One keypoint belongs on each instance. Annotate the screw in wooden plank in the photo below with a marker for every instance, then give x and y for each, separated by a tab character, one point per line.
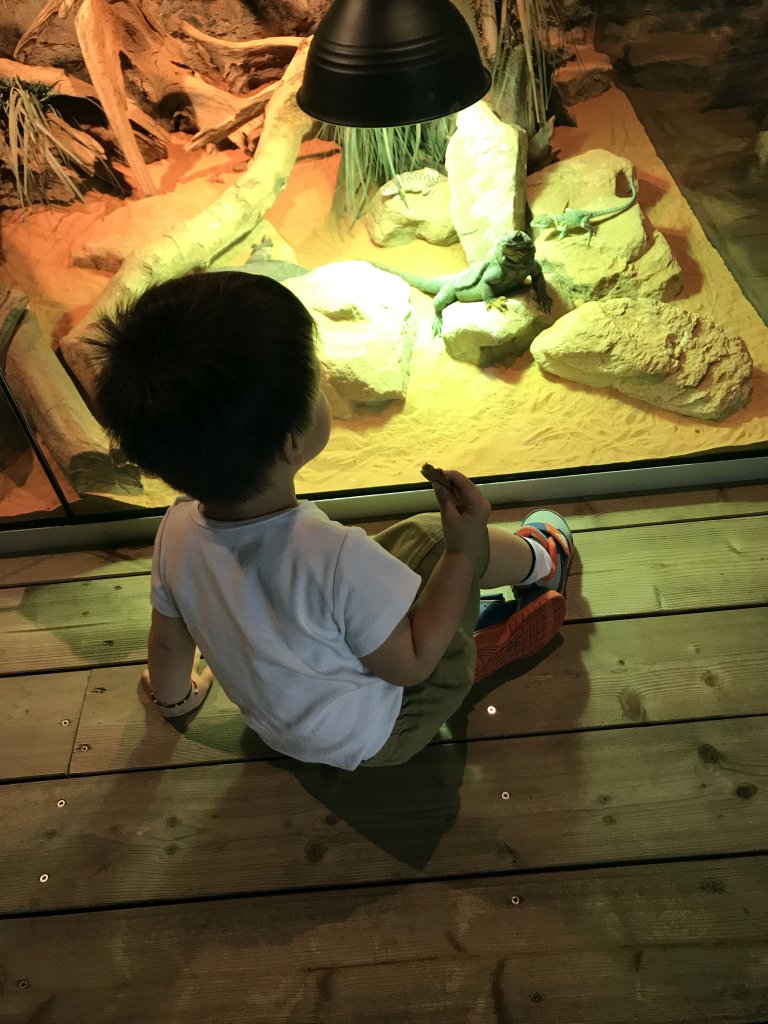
65	721
515	901
491	709
43	879
61	803
505	795
22	984
84	748
99	689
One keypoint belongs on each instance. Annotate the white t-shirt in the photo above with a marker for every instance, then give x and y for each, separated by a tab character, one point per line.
283	607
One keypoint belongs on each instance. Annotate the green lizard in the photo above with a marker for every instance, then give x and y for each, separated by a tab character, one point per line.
572	219
489	280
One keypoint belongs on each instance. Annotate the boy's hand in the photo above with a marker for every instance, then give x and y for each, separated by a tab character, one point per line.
201	684
464	511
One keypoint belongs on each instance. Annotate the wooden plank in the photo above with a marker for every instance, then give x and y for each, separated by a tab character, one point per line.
642	509
652	569
635	571
647	670
39	722
659	669
611	796
73	625
121	729
633	945
597	513
74	565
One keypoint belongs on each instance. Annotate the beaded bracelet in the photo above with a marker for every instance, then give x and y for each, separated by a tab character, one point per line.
192	689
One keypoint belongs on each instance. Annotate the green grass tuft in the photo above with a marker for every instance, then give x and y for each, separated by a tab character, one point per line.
372	156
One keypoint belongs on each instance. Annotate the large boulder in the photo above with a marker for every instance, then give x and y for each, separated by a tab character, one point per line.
587	75
649	350
624	258
367	331
413	205
474	334
486	163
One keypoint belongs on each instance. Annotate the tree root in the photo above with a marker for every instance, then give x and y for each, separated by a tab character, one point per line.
194	244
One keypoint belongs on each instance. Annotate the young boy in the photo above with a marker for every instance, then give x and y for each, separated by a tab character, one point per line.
337	648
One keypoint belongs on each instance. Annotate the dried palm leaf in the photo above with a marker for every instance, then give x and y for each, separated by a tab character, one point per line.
33	148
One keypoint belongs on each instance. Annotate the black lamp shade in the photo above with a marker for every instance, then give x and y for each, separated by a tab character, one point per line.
374	63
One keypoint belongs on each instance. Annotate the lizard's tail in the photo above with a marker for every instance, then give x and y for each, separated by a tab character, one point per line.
429	285
616	210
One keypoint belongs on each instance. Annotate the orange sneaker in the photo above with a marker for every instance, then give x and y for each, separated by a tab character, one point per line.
511	630
519	635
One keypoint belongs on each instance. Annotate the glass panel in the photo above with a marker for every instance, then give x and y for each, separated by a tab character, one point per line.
25	491
484	394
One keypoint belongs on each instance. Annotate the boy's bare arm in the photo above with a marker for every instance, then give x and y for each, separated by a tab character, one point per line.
413	649
172	677
411	652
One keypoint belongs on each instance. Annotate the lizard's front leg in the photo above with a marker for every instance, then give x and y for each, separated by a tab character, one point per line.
586	225
540	287
489	296
444	297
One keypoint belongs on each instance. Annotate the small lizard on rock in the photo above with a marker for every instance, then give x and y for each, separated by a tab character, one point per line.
572	219
510	263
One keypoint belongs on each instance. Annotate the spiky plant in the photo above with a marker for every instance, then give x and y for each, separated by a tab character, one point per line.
29	147
372	156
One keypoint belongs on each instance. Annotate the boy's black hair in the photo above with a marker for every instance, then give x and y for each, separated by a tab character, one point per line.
201	379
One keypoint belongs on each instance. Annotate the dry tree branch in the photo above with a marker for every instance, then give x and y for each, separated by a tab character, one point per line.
241	47
38	23
488	27
195	243
100	49
250	111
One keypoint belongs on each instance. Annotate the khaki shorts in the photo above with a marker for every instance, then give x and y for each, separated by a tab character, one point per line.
419	543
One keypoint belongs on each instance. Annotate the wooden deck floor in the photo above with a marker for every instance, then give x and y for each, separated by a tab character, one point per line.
587	842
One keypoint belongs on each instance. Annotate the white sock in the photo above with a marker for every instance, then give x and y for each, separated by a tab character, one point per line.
542	563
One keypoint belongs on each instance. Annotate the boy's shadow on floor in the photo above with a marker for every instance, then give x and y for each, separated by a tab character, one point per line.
403	810
406	810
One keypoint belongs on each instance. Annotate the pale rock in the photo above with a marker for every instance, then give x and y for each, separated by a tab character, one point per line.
474	334
137	222
367	331
623	258
414	205
587	76
486	163
660	354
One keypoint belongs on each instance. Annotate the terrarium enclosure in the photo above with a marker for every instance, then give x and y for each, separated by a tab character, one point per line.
571	272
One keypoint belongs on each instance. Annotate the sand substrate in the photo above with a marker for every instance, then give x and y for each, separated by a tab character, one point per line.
498	421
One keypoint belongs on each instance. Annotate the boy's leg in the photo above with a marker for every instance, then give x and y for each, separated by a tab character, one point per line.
512	630
536	616
512	559
419	543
